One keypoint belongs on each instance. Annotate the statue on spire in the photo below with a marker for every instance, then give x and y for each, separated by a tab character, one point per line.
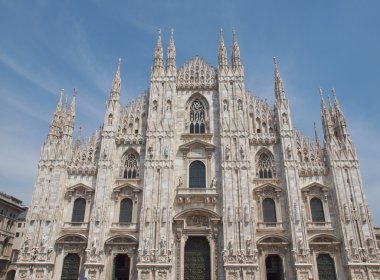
222	54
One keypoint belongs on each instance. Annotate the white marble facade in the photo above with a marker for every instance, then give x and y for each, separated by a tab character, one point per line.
198	159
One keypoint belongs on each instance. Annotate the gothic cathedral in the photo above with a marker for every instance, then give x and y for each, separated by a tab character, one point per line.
198	179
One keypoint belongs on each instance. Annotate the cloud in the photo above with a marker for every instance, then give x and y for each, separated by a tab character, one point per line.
31	76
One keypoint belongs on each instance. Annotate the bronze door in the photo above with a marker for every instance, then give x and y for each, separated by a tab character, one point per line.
70	270
197	259
326	267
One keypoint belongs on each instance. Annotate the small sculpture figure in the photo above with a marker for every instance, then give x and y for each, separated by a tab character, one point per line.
180	181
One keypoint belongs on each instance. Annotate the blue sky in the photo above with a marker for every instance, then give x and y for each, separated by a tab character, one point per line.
49	45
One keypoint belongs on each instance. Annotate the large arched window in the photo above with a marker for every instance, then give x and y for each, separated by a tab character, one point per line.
131	166
197	175
79	210
126	206
316	207
70	269
326	267
197	117
265	167
269	211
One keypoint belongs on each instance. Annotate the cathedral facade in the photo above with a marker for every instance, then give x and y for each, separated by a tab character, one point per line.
198	179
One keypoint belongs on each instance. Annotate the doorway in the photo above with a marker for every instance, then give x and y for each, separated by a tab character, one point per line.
274	269
121	267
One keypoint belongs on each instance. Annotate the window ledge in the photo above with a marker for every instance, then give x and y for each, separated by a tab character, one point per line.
75	225
122	227
191	136
263	226
312	226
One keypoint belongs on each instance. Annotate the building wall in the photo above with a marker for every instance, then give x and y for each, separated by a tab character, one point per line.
10	208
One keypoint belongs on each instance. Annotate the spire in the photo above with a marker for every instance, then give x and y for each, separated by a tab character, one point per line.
171	54
235	55
72	106
326	118
323	104
316	136
59	104
339	116
278	85
77	145
55	122
116	84
158	54
222	54
336	102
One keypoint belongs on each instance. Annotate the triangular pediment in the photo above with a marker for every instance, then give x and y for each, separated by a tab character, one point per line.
197	143
80	187
315	185
127	187
268	186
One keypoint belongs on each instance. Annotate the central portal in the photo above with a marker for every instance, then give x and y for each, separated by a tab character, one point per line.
197	259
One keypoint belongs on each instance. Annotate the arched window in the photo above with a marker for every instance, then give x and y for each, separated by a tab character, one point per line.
326	267
265	166
70	269
316	207
79	210
269	211
131	166
197	117
197	175
126	206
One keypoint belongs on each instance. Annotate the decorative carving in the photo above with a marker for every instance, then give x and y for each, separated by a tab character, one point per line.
196	74
197	221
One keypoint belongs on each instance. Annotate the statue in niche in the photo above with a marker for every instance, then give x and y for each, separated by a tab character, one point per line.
289	151
43	243
146	245
213	183
225	106
110	119
180	181
228	151
166	152
248	245
230	248
242	154
162	245
284	119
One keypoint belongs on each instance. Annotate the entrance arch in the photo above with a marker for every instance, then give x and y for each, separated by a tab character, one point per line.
274	268
11	275
197	264
122	265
